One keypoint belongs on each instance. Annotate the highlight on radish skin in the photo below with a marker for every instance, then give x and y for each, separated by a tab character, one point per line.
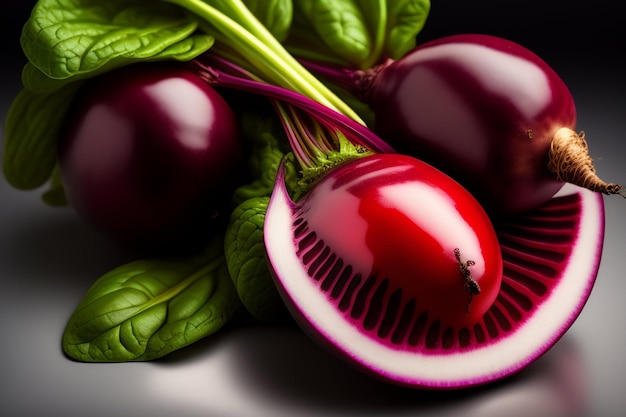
149	156
483	109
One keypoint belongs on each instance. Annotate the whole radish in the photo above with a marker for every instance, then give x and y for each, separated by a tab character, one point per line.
150	154
488	112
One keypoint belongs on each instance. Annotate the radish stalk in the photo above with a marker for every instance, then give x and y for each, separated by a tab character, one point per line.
263	51
224	73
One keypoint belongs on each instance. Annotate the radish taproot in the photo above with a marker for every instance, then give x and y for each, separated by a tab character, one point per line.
485	110
149	155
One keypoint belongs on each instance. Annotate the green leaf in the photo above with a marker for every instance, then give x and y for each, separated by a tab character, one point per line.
146	309
355	33
375	19
276	15
69	38
245	255
31	130
406	18
265	157
185	50
55	195
244	247
338	27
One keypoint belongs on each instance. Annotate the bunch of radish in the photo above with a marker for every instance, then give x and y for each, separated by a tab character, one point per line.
447	245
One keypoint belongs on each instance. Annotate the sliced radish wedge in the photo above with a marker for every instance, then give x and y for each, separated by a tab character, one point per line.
551	258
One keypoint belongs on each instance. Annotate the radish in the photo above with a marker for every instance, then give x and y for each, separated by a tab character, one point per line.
394	267
550	263
485	110
371	234
149	156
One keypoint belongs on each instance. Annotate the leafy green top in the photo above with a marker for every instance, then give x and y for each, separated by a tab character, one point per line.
355	33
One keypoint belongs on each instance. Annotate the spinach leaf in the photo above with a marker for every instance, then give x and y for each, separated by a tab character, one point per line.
67	38
148	308
355	33
406	18
325	27
245	254
244	247
31	130
185	50
265	156
276	15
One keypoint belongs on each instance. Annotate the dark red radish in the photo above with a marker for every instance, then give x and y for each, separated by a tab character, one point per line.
485	110
150	154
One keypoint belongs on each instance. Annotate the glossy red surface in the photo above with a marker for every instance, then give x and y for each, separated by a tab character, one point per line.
149	152
481	108
394	218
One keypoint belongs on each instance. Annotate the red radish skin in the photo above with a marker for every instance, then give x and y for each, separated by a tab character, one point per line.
383	215
484	110
149	155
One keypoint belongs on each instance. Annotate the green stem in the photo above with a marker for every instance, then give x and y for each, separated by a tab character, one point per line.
266	55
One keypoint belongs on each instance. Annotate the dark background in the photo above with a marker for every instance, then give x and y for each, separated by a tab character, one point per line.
575	37
569	31
572	36
560	28
579	39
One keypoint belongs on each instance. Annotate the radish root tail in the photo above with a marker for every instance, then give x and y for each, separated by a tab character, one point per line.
570	161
